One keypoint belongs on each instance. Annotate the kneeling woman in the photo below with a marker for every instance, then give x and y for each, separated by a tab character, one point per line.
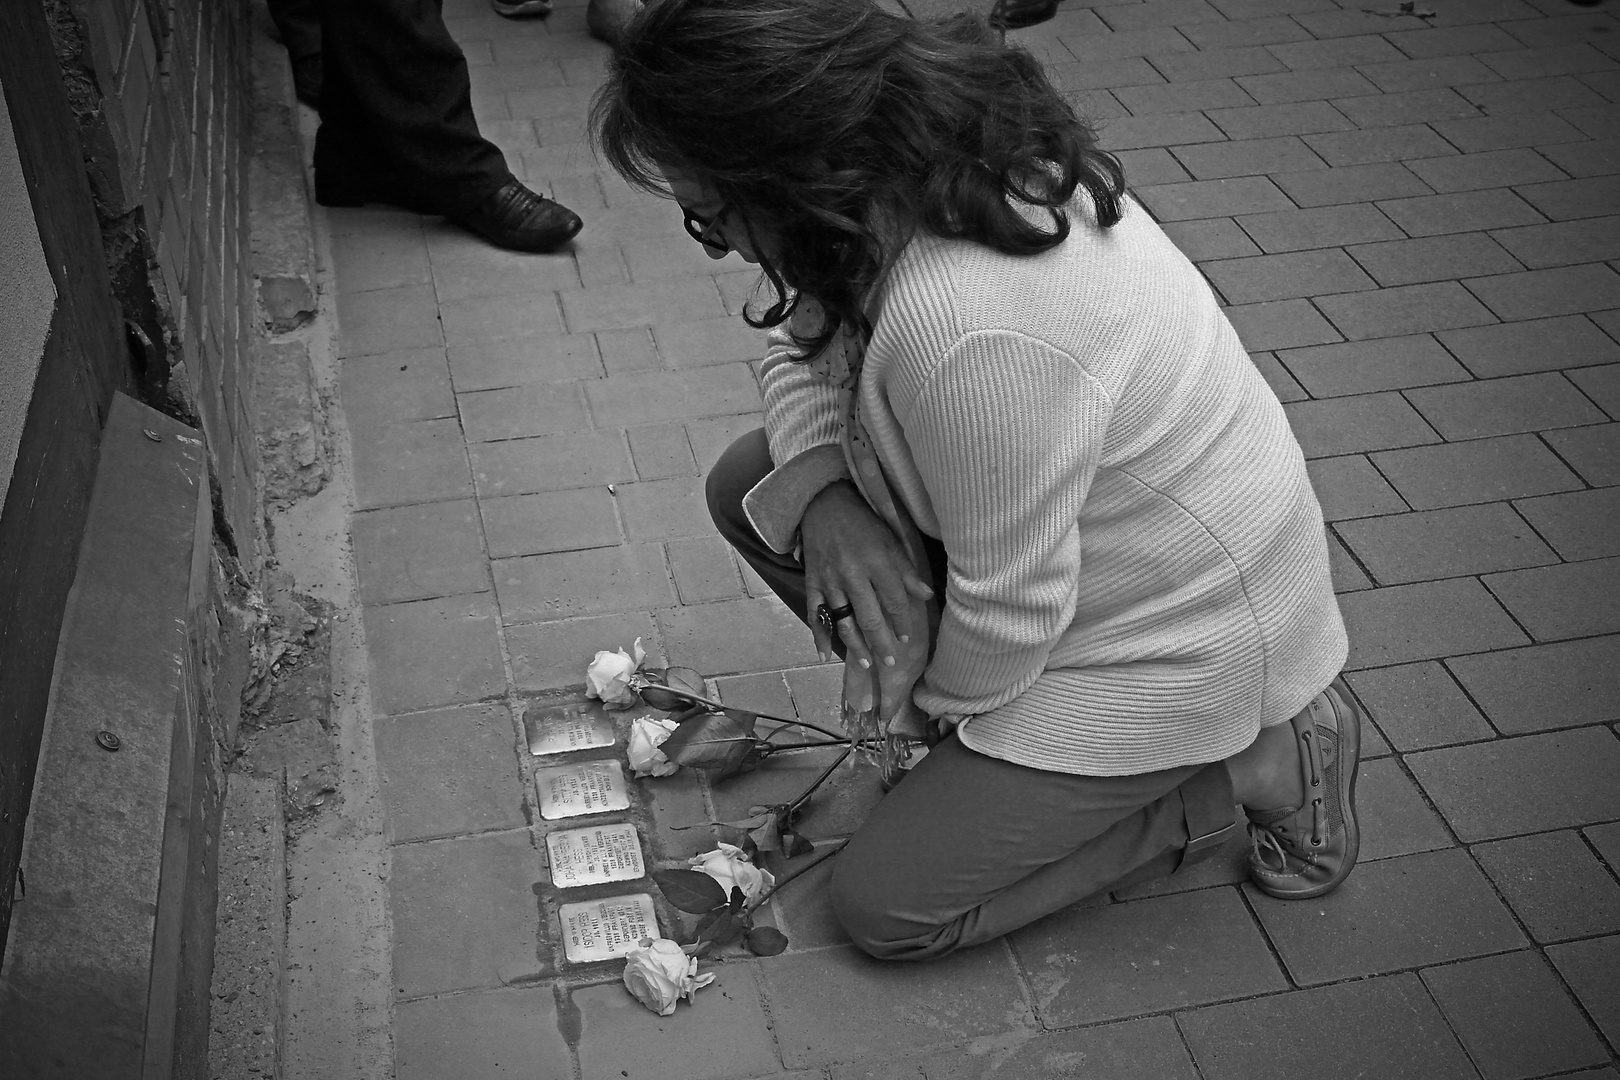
1016	464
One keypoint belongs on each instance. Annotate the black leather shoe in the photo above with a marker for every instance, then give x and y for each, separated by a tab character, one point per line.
1017	14
516	218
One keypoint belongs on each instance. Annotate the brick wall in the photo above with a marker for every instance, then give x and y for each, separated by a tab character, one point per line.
160	90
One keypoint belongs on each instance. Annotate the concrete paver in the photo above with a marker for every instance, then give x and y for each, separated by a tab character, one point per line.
1412	221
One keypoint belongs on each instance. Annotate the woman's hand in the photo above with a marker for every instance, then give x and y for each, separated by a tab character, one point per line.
851	557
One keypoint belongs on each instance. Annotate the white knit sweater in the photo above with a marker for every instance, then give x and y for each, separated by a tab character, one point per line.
1138	576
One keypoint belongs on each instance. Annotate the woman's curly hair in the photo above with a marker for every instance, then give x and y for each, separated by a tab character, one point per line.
846	129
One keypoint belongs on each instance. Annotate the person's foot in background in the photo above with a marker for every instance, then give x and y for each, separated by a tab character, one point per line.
516	9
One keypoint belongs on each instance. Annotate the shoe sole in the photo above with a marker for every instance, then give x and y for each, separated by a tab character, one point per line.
527	7
1348	720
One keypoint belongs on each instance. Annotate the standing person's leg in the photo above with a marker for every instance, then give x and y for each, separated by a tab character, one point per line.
971	847
299	24
397	126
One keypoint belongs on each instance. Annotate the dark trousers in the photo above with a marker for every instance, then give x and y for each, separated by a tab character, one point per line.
396	111
968	847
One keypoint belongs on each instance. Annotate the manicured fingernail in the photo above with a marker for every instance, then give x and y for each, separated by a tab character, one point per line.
888	661
866	663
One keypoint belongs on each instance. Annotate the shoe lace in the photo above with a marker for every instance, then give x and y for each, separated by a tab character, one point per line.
1268	850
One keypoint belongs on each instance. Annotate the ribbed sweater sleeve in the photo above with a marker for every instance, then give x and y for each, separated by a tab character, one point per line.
1007	433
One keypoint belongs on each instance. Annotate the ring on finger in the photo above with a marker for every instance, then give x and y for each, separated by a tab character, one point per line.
828	616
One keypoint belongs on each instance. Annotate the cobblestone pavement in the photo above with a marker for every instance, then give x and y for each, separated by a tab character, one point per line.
1415	220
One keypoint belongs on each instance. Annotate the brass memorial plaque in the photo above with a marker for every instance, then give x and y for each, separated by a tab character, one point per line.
562	728
593	855
603	929
583	787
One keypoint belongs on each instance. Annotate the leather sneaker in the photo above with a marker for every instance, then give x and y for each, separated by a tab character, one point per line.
1305	851
515	217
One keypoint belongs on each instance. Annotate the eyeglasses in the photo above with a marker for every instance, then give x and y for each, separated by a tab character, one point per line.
699	228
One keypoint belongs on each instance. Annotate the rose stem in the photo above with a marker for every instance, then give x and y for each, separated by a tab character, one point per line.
820	858
804	796
700	699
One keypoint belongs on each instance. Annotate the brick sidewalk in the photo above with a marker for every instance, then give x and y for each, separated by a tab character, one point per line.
1415	222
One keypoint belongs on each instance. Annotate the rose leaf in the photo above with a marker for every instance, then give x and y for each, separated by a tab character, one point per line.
720	928
710	741
690	890
794	844
766	941
767	837
738	899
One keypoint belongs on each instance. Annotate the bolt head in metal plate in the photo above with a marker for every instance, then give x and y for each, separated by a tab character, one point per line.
108	741
150	434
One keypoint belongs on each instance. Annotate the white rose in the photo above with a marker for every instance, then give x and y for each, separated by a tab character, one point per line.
660	973
730	866
647	734
608	677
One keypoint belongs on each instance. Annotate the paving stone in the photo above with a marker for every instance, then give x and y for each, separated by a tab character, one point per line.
518	412
1402	623
1161	129
1353	425
1212	198
1146	1049
1294	86
1319	227
1564	601
1183	96
392	388
449	772
661	452
1393	816
465	914
502	1032
628	350
1360	367
1350	184
1228	865
1105	74
497	318
1249	157
818	693
1407	107
1452	40
466	266
1383	144
1503	406
1579	524
1513	1016
1545	686
712	435
1593	451
414	552
1270	121
672	300
1110	46
1328	23
660	396
1492	169
1598	157
1406	309
708	341
379	260
1428	73
1346	575
1461	211
1215	63
1592	970
1564	28
1602	385
1219	238
1435	258
679	815
723	1033
550	463
1532	95
1091	964
664	509
1281	277
1419	706
410	463
1606	839
1244	30
1553	60
1349	487
1476	471
546	521
490	365
1555	886
839	808
1535	345
839	1005
1391	914
383	320
1479	134
1565	200
1280	324
427	653
1453	542
704	570
1528	784
735	635
676	256
554	654
1564	243
1277	377
1340	52
1599	123
1152	165
1385	1027
1158	13
567	584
